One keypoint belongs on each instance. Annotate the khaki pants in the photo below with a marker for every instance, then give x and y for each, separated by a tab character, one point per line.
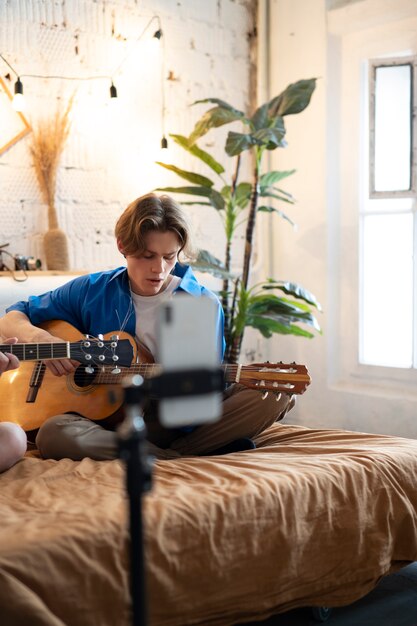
245	414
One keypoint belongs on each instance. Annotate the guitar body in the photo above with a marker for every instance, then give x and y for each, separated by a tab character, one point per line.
31	405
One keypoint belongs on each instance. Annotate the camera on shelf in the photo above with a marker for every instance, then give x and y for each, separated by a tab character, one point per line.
21	262
28	263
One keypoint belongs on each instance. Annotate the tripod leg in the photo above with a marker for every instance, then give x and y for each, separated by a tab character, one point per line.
133	451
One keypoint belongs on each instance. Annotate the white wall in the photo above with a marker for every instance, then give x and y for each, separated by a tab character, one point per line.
305	41
109	158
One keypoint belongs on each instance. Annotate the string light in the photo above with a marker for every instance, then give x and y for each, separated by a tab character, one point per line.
18	98
113	91
164	140
19	101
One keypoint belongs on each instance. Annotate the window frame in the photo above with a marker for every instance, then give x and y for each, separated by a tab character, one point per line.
374	64
348	373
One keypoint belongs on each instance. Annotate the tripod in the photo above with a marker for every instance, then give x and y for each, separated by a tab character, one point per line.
133	450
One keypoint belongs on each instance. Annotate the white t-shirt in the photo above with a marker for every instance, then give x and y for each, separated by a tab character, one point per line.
146	314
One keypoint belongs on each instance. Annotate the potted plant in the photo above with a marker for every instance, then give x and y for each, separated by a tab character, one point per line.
261	306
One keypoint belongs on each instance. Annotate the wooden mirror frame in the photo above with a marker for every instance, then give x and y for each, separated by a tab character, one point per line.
26	126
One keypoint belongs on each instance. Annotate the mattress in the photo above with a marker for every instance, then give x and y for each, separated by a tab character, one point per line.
309	518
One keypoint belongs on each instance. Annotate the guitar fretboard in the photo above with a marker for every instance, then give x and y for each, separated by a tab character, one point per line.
37	351
148	370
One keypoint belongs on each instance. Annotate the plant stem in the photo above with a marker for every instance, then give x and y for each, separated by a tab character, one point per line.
250	229
239	322
228	257
230	339
250	226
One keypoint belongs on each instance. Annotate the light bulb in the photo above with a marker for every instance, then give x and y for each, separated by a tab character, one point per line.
19	102
164	155
18	98
113	92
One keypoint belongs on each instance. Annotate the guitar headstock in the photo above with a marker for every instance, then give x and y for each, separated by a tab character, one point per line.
280	377
93	351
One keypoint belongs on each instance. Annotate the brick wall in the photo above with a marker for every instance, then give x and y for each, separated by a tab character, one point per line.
109	157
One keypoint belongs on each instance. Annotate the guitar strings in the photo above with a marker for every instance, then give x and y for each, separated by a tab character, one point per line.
106	376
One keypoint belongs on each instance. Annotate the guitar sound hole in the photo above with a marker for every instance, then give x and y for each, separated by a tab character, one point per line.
83	378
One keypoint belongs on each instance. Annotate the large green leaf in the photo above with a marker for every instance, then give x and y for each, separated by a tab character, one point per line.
293	289
243	194
213	118
294	99
270	178
190	176
305	318
267	303
193	149
270	194
269	137
271	209
267	327
217	200
280	310
260	118
192	191
193	203
238	142
221	103
283	192
207	262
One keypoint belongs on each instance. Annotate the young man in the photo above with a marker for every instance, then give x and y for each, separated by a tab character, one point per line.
13	441
151	234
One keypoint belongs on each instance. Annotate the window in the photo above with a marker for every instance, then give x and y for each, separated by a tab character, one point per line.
388	221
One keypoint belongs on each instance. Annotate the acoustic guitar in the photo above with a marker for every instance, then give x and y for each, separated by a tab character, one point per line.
31	394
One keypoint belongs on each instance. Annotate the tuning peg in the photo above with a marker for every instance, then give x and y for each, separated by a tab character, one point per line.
116	370
265	395
87	344
278	396
114	338
89	369
115	357
100	336
101	357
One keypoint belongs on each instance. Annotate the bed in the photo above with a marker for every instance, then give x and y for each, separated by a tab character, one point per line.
309	518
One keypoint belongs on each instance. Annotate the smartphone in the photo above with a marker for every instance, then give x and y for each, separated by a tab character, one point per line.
187	340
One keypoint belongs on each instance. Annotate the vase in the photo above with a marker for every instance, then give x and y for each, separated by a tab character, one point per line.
55	244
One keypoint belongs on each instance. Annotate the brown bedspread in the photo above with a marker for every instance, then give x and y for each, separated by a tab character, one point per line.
312	517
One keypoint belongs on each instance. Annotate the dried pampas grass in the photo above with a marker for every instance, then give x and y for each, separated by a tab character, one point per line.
48	141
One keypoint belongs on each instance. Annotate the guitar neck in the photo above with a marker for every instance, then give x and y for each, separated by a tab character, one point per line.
38	351
147	370
279	377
